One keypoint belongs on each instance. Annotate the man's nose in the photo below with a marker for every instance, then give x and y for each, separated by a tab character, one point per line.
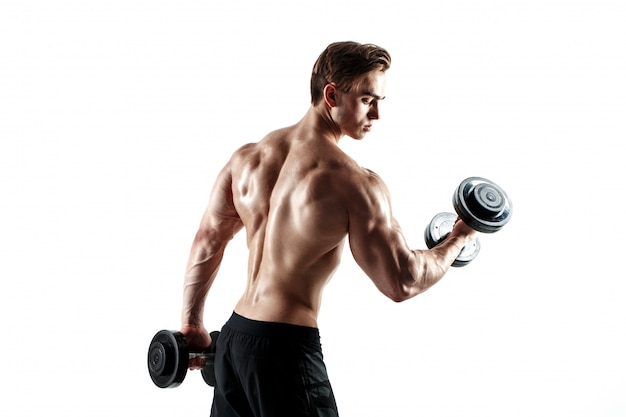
374	113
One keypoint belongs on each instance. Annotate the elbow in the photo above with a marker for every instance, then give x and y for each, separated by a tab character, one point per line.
393	290
409	284
398	298
407	279
402	293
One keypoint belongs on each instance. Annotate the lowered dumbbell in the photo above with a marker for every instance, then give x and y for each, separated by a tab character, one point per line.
168	359
482	205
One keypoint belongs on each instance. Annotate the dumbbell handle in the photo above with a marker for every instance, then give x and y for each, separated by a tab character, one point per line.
203	355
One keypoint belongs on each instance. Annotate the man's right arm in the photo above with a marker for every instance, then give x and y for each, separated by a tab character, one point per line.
380	249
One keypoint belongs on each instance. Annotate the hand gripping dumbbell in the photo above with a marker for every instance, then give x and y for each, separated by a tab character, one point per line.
168	359
482	205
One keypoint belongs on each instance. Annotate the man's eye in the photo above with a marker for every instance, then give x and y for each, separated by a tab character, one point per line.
367	101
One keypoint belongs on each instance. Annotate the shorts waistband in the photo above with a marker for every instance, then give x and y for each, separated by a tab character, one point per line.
272	329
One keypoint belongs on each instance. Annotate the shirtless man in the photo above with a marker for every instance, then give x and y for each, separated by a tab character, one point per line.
299	197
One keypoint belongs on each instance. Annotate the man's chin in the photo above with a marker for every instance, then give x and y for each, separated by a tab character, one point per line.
358	136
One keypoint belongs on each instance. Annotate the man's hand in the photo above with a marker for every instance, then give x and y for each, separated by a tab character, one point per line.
462	230
198	340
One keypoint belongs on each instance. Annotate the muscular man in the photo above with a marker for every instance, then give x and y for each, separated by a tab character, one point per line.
299	197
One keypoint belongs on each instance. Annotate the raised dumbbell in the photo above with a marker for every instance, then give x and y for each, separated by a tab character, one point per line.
482	205
437	230
168	359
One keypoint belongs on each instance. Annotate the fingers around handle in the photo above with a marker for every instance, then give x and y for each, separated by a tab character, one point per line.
439	228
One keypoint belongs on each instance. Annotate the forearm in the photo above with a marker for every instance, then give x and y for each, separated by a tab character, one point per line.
201	271
427	267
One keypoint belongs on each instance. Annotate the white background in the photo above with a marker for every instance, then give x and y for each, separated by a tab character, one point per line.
115	117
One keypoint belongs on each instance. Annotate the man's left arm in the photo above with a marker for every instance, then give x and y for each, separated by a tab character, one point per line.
220	222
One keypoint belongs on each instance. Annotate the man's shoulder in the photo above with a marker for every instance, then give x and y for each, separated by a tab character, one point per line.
370	175
275	140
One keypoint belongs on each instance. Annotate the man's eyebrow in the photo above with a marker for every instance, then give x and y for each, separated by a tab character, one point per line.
369	93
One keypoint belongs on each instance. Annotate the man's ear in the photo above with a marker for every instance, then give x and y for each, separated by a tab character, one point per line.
330	95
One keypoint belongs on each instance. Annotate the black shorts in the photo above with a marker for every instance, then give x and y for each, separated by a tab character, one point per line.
270	370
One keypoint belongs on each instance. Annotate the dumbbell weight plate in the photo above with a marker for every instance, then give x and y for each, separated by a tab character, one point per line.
482	204
437	230
168	359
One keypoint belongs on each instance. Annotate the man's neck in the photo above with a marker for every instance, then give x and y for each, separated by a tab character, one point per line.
319	122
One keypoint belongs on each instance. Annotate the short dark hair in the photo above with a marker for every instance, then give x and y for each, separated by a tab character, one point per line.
343	63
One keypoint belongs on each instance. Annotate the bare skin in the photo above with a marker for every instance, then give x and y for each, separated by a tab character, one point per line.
299	198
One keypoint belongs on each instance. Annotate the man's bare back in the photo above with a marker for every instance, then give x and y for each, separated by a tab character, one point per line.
291	192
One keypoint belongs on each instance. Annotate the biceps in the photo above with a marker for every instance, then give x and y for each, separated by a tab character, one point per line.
382	253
